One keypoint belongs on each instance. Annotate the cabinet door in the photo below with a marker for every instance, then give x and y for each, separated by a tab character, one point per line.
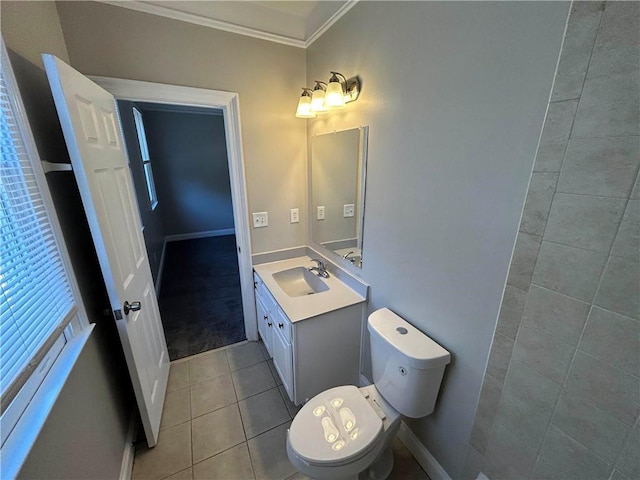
283	360
264	324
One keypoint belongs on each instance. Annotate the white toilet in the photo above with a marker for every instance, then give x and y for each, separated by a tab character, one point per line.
346	432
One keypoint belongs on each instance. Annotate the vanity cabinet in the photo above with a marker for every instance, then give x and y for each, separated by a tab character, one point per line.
313	354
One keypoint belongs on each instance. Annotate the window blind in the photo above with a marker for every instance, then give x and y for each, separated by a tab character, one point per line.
36	300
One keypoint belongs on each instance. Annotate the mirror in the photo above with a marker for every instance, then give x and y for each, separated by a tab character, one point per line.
338	171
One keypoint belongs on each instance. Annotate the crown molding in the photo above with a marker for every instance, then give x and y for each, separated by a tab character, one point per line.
326	25
205	22
231	27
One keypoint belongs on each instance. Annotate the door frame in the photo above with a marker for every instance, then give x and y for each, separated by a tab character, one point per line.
229	103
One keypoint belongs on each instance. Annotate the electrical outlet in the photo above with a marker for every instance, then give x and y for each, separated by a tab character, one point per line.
320	215
260	219
295	215
349	210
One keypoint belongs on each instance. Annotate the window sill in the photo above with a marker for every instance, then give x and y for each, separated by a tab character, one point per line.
17	447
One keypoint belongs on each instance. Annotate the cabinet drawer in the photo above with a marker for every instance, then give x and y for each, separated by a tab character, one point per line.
282	324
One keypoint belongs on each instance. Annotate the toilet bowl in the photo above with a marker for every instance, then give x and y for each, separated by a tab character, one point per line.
361	434
345	432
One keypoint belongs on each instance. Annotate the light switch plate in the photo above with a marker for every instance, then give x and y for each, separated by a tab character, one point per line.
260	219
320	215
349	209
295	215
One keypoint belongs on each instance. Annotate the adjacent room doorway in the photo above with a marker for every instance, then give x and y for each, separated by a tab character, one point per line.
205	280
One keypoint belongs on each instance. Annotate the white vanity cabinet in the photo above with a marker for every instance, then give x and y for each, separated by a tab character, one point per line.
312	354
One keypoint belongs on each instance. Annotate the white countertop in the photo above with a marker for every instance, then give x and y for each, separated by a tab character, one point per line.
338	296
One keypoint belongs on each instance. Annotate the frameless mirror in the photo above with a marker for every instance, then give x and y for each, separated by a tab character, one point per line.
338	171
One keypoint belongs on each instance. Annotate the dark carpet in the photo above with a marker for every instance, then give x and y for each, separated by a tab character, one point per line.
200	297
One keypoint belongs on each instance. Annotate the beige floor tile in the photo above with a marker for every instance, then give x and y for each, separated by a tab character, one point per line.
176	408
252	380
208	366
291	407
245	355
216	431
269	454
211	395
172	454
183	475
232	464
298	476
274	372
262	412
178	376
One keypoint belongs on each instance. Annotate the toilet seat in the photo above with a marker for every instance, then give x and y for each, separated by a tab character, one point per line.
336	427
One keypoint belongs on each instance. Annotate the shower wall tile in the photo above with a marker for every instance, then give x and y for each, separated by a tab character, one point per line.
617	43
549	158
524	260
568	334
531	388
513	304
580	36
608	388
487	407
609	106
594	428
620	287
538	203
543	353
600	166
562	458
628	236
560	316
557	125
569	270
499	357
629	461
613	339
584	221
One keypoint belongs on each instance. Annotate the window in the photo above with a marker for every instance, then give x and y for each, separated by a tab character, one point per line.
39	310
146	160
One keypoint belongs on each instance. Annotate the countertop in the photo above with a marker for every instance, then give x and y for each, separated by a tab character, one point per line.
338	296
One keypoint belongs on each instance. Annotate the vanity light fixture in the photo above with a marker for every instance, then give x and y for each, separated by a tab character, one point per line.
324	97
304	105
318	104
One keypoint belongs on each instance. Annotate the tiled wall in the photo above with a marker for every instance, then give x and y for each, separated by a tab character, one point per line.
561	395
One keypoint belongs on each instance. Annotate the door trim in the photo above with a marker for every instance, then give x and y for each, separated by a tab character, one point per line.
228	102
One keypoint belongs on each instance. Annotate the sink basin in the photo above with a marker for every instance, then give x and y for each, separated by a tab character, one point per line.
299	281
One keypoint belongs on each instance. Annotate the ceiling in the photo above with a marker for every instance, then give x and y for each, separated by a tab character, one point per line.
296	23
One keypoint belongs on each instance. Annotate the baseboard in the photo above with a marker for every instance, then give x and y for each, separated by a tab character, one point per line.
161	267
421	454
129	449
192	236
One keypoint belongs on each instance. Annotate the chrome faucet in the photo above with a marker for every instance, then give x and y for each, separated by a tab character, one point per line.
320	268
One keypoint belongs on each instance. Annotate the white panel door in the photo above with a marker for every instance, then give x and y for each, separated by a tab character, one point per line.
92	133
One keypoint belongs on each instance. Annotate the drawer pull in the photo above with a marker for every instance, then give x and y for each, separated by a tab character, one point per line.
280	325
269	324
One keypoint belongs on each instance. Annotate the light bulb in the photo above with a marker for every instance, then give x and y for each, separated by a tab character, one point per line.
334	97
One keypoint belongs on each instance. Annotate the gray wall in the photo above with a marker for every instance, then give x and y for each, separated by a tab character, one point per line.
190	169
560	397
97	396
455	96
117	42
152	220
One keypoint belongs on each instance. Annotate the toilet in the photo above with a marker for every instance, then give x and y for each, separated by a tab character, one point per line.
345	432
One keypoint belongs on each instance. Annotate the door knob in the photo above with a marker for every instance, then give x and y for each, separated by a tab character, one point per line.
131	307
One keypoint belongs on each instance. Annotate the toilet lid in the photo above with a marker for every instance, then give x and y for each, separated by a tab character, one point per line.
336	426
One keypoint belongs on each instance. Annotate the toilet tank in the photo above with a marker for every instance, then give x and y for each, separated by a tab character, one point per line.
407	365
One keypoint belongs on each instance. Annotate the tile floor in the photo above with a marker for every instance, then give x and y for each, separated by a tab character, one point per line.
225	417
